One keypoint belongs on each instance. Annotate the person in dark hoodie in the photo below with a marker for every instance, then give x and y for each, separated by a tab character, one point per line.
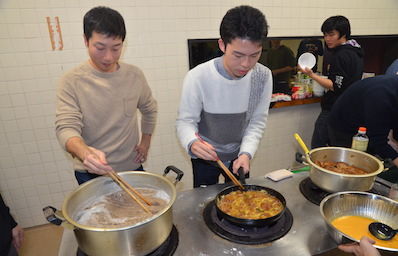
371	103
11	234
346	67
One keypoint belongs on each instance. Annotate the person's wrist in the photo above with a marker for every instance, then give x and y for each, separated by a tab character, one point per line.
245	153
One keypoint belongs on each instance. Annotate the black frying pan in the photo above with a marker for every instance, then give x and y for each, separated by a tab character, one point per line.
250	222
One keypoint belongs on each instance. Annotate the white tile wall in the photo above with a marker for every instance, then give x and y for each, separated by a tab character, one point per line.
34	172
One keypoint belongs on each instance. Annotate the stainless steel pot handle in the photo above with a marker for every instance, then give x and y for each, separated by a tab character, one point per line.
300	158
179	173
49	213
242	175
387	163
56	217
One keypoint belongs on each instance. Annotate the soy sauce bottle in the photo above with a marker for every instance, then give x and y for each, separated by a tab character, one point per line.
360	140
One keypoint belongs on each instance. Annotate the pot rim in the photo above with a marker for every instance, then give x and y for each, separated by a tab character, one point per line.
379	170
98	179
324	201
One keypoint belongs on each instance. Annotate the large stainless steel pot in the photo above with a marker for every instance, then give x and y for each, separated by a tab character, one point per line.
355	203
336	182
139	239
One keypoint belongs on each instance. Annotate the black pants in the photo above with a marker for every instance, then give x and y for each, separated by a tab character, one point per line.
208	172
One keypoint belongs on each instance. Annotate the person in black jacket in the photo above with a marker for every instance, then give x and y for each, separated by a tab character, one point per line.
10	232
371	103
346	66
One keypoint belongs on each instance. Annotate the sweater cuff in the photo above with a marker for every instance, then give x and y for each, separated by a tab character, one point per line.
245	153
65	135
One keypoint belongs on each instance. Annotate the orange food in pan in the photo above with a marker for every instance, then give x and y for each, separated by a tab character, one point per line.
255	204
357	227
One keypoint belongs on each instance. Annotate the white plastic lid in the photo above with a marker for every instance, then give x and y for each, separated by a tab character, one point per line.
307	60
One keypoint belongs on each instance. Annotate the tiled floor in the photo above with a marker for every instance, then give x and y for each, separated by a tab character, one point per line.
42	240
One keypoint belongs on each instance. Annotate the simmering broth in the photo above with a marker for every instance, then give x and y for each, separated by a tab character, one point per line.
118	209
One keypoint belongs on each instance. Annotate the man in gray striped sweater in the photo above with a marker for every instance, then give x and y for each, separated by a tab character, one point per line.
225	100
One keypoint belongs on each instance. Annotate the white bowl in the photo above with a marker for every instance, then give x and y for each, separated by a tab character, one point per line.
307	60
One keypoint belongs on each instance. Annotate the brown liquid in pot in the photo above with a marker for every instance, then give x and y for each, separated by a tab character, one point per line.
340	167
118	209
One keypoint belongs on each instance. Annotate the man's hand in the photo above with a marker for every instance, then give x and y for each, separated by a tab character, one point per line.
324	82
95	162
364	248
142	153
306	71
242	161
17	237
204	150
142	148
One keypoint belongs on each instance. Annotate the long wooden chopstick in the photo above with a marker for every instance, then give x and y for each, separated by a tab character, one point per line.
114	176
131	188
222	165
230	175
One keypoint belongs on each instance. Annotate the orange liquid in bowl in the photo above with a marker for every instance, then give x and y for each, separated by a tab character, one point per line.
357	227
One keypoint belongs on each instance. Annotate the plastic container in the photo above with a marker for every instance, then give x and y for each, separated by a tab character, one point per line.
306	60
318	89
360	140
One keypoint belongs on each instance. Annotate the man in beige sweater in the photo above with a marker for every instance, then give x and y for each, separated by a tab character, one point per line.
97	103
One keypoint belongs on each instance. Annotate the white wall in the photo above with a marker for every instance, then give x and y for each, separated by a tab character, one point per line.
34	172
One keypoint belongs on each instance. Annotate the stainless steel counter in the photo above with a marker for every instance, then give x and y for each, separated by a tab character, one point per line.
308	235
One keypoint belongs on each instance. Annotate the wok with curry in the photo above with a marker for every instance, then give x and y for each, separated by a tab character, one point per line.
250	204
254	206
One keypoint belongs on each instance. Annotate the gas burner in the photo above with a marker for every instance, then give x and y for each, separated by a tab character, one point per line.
315	194
312	192
167	248
246	235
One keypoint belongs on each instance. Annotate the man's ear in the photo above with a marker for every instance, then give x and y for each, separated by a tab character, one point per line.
221	45
85	40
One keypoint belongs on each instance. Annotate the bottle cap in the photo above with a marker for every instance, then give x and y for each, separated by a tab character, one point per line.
362	129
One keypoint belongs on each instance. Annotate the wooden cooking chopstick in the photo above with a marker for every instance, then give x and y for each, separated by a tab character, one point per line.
131	188
225	169
230	175
114	176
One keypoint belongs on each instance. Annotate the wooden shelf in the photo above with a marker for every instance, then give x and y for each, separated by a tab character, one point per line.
281	104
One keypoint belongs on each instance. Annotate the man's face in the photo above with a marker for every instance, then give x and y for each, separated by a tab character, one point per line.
104	51
240	56
332	39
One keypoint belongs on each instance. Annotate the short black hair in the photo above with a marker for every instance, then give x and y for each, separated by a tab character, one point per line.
243	22
104	20
338	23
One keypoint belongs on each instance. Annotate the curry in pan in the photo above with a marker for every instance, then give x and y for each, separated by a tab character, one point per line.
253	204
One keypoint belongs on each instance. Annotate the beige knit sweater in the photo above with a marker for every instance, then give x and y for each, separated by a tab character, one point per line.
102	108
